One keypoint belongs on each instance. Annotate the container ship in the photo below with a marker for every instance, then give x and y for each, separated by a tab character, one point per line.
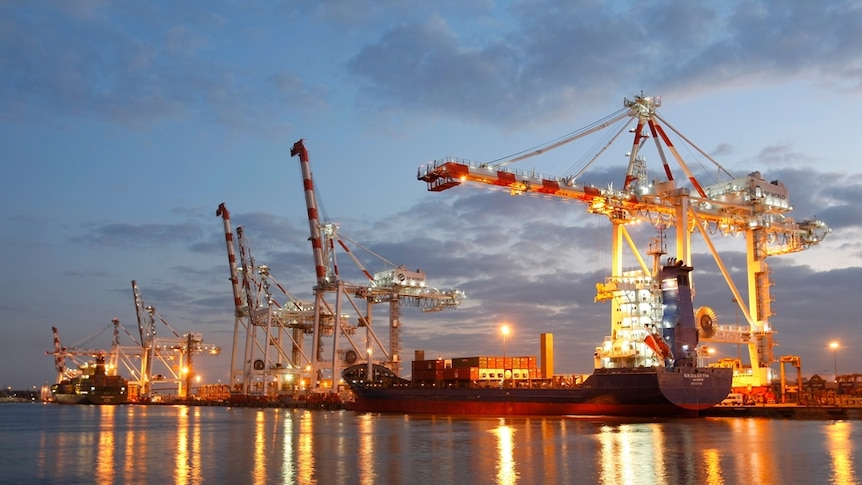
93	386
652	372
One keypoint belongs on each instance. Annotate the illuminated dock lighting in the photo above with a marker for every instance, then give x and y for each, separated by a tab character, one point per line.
834	346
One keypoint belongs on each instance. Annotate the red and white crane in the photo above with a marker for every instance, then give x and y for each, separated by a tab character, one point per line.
746	205
394	285
272	333
80	356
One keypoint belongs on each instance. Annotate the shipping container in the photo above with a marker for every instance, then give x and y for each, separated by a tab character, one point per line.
461	374
428	364
461	362
428	375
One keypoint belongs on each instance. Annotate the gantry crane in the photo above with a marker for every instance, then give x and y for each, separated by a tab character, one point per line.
746	205
137	358
175	353
395	285
74	353
262	323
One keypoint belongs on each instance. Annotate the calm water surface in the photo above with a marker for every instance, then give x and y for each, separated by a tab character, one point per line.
46	443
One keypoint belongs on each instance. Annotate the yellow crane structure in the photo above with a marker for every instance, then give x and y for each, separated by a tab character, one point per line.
746	205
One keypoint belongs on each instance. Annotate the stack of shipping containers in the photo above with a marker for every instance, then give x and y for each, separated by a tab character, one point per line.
484	368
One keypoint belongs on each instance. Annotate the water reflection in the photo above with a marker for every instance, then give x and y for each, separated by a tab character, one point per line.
621	447
506	473
188	445
753	451
712	464
188	448
305	455
105	450
840	446
259	469
367	452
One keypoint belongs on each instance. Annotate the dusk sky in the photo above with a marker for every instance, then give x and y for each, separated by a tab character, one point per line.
123	126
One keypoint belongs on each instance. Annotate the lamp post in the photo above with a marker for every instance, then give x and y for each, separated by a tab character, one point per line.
505	331
834	347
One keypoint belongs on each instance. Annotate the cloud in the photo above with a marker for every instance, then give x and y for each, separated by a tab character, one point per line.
124	235
829	196
139	66
558	56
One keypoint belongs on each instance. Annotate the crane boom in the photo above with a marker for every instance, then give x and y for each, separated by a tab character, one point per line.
394	286
313	218
747	205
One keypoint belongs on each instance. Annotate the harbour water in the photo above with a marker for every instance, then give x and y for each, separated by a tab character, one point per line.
48	443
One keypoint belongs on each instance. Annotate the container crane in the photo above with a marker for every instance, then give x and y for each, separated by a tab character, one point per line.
396	286
746	205
74	353
175	354
263	323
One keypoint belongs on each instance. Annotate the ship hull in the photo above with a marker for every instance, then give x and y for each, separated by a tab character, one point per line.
109	398
91	390
610	392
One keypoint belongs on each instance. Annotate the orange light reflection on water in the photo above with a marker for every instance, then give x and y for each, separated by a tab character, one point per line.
506	472
305	449
288	472
133	443
553	448
840	446
259	471
712	463
188	455
755	451
616	454
367	473
105	451
657	453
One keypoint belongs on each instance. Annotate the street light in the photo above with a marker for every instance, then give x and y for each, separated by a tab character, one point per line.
834	347
505	331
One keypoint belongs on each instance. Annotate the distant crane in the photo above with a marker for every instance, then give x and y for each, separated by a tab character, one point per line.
61	353
395	286
263	323
174	353
746	205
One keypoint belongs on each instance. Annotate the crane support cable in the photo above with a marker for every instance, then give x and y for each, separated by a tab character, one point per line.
360	246
720	167
91	337
602	150
599	125
296	302
172	329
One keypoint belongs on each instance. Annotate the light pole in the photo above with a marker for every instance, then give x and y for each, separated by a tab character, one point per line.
834	347
505	331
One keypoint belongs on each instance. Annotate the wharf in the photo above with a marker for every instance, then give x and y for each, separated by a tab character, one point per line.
787	411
